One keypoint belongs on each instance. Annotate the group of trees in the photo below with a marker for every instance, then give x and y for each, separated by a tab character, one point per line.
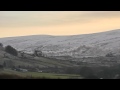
84	71
9	49
104	72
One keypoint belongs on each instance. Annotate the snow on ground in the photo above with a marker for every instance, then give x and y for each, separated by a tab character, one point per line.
96	44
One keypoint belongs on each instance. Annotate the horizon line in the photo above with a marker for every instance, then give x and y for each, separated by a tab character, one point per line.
58	35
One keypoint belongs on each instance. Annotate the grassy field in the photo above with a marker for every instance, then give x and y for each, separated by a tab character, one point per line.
39	61
40	75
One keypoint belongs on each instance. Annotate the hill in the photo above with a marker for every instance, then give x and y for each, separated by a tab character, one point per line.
74	46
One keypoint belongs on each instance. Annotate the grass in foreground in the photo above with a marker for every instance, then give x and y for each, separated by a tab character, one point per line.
10	74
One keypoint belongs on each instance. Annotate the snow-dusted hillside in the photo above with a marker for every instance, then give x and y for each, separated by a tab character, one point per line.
97	44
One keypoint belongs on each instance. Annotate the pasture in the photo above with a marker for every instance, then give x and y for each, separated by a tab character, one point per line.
39	75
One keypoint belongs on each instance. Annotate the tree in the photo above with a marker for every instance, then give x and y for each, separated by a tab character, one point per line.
19	66
1	45
1	67
91	77
23	55
71	70
109	55
86	71
38	53
9	49
4	64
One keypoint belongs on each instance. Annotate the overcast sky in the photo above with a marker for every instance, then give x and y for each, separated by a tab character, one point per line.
20	23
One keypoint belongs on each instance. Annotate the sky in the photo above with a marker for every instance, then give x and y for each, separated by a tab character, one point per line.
22	23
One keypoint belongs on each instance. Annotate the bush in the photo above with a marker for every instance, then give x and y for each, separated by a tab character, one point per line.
11	50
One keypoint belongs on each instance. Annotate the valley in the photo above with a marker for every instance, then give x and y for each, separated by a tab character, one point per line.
62	54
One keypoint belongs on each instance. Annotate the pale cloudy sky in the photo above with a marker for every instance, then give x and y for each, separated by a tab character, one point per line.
20	23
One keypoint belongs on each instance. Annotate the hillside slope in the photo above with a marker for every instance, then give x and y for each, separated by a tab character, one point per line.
30	61
96	44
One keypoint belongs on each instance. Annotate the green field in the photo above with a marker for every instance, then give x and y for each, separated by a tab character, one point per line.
41	75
